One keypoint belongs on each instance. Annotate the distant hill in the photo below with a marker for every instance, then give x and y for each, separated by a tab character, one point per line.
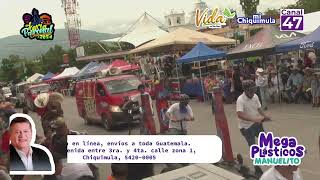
32	48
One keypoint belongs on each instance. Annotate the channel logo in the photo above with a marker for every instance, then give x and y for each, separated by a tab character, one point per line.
256	19
291	19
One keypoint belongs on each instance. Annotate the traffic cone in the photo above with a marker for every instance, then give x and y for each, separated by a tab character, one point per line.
148	124
222	126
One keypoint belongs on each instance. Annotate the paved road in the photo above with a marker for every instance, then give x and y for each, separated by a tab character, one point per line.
300	121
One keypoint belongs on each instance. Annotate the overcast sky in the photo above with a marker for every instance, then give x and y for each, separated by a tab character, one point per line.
109	16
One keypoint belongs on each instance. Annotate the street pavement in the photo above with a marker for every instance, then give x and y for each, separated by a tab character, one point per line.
298	120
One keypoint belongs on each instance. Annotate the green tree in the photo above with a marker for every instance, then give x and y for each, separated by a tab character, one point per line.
275	13
249	6
52	59
33	67
10	68
308	5
72	59
93	48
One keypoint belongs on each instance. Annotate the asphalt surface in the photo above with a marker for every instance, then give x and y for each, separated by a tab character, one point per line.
298	120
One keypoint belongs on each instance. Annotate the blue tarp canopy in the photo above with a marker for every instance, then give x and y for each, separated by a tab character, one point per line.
88	70
310	41
48	76
200	52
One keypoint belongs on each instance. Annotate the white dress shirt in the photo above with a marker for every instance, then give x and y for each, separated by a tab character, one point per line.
27	160
73	171
273	174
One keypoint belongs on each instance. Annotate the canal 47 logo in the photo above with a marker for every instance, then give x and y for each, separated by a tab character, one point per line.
291	19
273	151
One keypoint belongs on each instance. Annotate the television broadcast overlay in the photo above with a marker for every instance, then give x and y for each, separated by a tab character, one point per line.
274	151
291	19
22	138
144	149
160	90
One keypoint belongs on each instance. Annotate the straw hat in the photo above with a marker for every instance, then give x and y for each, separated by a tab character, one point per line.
259	70
42	100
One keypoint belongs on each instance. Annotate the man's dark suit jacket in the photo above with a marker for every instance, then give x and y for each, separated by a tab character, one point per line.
40	160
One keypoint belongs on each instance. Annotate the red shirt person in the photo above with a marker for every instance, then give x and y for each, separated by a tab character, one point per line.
162	104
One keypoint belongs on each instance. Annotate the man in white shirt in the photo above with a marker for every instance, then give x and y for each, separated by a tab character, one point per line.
250	114
282	173
179	114
24	157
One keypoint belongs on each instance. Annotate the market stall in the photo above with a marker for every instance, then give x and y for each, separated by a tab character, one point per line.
198	54
88	71
67	73
263	42
310	41
121	66
61	82
48	76
35	78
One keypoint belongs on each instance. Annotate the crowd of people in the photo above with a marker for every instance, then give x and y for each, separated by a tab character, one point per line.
289	81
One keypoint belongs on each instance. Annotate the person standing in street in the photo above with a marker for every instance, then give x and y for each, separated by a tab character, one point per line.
262	83
179	114
295	86
49	108
250	115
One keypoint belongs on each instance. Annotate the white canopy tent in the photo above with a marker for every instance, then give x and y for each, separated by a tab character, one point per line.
35	78
310	22
143	31
68	72
183	36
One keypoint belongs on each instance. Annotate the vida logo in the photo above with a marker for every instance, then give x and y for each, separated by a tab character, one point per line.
214	19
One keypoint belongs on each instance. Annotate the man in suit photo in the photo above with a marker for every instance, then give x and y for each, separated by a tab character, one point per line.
23	156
